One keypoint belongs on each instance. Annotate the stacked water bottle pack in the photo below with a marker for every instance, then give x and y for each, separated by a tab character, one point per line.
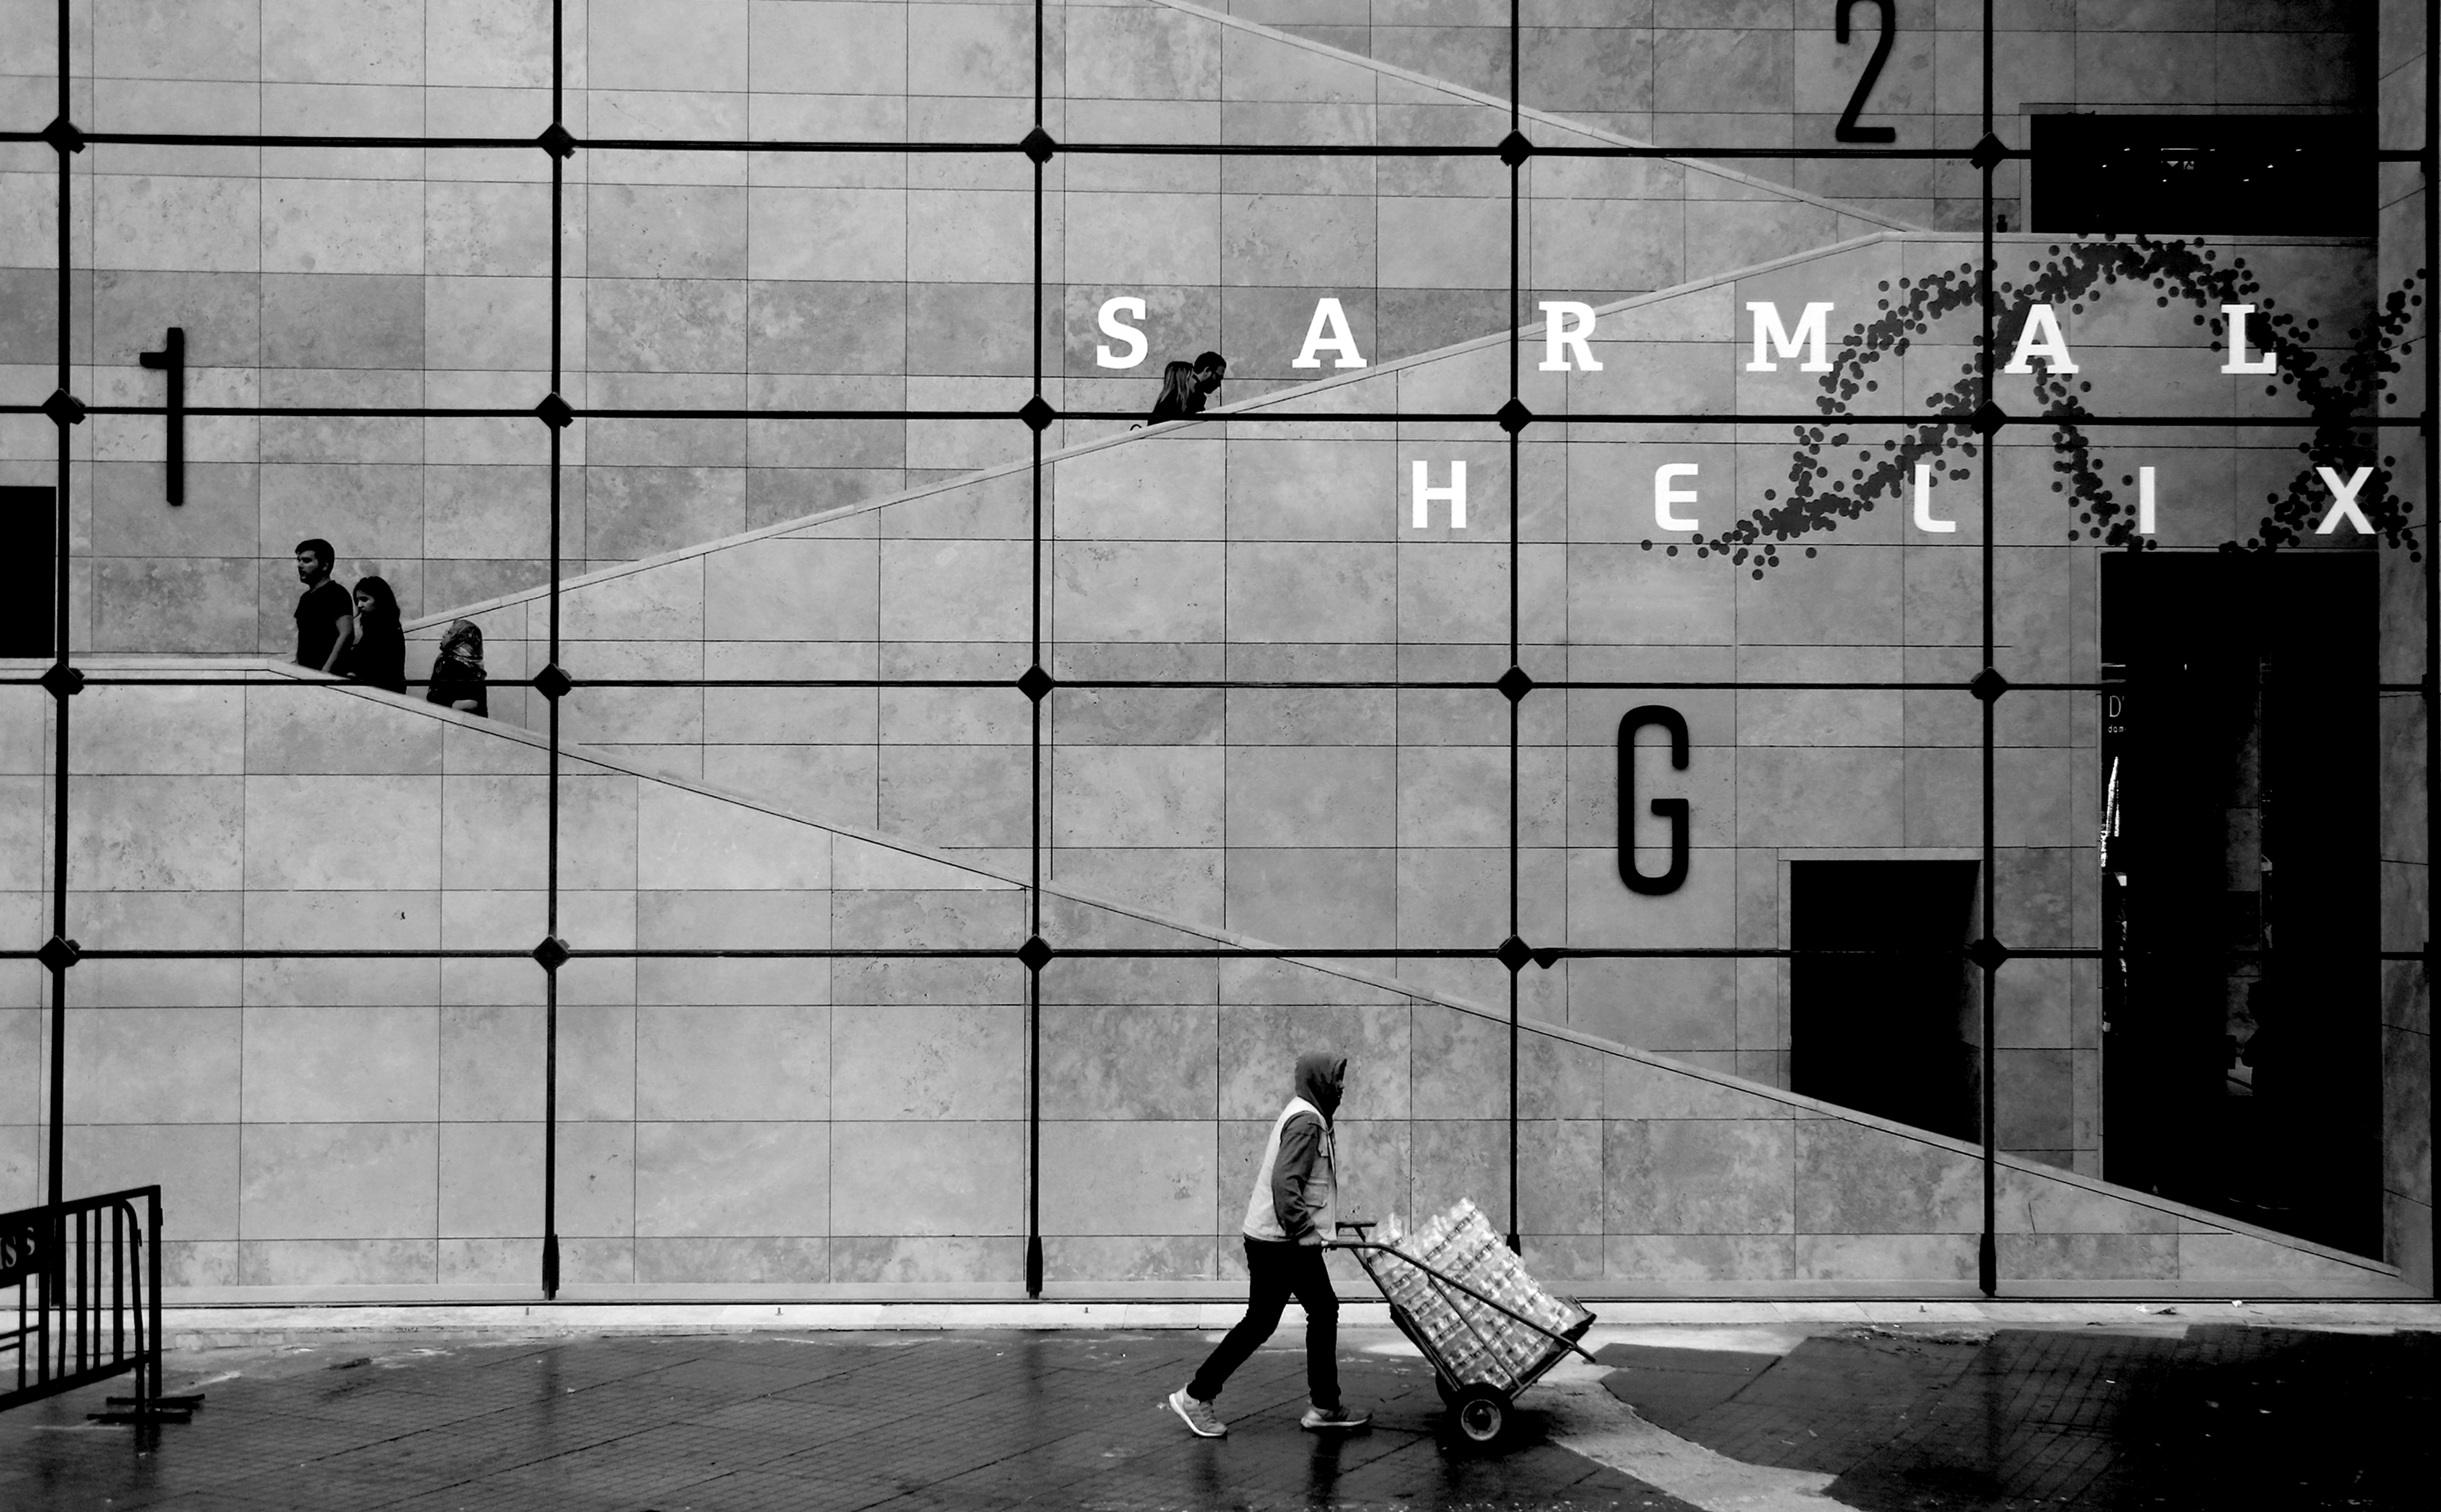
1478	1343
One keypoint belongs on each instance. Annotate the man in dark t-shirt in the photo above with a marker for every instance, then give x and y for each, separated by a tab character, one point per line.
326	614
1210	368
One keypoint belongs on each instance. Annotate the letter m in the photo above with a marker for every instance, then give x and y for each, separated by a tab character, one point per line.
1812	333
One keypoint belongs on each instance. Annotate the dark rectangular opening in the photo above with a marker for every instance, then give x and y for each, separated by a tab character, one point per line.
2241	990
1893	1031
28	572
2188	176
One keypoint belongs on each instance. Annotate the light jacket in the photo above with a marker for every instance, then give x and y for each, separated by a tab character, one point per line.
1299	1173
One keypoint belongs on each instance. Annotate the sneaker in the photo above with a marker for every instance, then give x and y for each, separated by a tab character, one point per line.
1198	1415
1318	1418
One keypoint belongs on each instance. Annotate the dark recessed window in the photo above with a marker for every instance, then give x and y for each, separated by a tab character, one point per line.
27	572
1893	1033
2188	176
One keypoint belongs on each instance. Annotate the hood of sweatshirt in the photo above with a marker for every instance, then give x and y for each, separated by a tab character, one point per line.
1321	1075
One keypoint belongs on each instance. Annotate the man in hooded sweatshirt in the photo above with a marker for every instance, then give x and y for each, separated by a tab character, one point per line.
1287	1219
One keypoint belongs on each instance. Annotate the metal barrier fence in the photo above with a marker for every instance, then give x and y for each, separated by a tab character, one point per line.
87	1276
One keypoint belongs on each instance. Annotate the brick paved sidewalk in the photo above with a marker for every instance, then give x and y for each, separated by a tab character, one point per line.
836	1424
2218	1417
1870	1418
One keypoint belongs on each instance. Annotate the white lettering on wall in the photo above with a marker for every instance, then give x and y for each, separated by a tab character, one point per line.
2041	339
1329	330
2235	315
1924	520
2343	502
1426	495
1664	496
1109	318
1813	333
1567	323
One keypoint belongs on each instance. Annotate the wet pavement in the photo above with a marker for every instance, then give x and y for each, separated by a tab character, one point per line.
2219	1417
837	1424
1879	1418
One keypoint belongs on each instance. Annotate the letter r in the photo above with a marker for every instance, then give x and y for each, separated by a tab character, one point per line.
1567	323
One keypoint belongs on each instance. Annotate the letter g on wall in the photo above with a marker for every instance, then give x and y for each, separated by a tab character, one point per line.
1673	809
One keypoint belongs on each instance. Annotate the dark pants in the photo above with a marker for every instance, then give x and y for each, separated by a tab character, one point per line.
1276	1271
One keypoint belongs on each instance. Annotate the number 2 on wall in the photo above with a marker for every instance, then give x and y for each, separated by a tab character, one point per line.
1847	130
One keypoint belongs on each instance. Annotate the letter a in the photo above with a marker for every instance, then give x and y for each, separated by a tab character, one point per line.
1329	330
2343	502
2041	339
1109	319
1567	323
1664	496
1811	333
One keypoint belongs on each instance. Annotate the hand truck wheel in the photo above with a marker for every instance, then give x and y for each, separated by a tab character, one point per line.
1482	1413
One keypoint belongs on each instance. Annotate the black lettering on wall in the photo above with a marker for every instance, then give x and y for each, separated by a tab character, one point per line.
1848	131
1673	809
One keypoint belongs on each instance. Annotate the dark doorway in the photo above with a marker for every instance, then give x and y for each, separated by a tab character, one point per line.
2243	175
2241	1051
28	572
1892	1033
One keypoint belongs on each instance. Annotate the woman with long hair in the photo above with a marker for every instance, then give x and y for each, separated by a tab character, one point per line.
1178	393
458	671
378	653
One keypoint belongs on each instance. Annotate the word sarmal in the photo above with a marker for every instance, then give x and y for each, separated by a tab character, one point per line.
1568	330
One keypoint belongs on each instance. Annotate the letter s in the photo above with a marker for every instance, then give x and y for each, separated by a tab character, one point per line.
1109	319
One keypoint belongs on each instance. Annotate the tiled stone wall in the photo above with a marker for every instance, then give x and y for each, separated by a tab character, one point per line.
1246	548
406	278
1263	549
1770	73
2407	996
335	1128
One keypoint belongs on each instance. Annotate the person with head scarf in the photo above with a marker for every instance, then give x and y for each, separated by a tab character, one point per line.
1288	1218
458	671
377	655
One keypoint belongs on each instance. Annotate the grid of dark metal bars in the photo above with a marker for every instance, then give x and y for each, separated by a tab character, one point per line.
1988	954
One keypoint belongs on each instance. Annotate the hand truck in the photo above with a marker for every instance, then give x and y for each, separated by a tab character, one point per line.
1482	1404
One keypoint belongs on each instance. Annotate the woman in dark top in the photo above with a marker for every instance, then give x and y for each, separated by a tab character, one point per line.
458	671
378	653
1180	397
